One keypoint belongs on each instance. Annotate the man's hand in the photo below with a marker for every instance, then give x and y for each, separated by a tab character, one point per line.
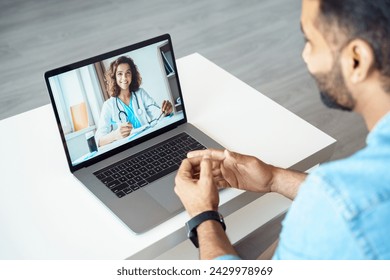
236	170
197	191
249	173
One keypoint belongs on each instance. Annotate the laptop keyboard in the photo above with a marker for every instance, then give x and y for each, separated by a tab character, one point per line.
147	166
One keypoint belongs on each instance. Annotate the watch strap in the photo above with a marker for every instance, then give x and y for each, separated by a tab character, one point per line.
193	223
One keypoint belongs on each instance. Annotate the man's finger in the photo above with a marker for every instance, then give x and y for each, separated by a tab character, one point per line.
211	153
195	162
206	172
185	170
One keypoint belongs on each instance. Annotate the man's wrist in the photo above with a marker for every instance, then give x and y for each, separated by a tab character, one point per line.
286	182
209	225
275	171
213	241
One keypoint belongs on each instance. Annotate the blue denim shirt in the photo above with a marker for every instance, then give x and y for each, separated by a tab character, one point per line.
342	210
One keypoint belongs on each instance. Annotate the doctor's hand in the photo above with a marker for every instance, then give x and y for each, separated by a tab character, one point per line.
236	170
195	186
166	108
123	130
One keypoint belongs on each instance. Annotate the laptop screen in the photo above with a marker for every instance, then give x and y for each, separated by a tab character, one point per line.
116	100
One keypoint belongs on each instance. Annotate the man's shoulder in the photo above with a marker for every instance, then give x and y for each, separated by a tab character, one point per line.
367	166
357	183
345	203
352	196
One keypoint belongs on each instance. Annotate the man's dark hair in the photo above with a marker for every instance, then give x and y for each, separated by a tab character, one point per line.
368	20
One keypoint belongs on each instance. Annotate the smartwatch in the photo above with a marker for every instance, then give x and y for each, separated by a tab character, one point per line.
192	224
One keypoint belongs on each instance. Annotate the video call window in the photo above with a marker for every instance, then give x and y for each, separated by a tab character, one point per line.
80	95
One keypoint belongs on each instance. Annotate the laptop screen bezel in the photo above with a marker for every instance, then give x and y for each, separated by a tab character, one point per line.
98	58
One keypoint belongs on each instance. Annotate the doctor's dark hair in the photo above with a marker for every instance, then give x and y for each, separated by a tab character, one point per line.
368	20
136	79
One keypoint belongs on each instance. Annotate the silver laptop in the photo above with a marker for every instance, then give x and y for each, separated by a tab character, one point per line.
126	151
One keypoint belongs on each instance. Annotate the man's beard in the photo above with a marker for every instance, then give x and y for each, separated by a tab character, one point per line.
331	102
334	93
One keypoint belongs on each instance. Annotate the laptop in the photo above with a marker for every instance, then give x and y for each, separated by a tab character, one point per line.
132	169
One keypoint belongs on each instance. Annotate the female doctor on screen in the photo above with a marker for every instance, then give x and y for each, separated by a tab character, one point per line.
129	106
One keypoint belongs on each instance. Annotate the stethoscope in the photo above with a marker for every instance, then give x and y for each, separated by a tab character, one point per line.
139	110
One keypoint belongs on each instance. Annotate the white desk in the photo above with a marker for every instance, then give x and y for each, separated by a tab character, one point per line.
45	213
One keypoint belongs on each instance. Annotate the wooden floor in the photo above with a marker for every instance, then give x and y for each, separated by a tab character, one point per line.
259	41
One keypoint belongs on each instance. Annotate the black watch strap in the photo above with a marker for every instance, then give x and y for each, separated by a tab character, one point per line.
197	220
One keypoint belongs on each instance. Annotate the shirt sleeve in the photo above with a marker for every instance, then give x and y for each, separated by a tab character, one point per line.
314	227
227	257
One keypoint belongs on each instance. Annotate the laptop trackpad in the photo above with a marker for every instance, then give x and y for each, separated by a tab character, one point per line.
162	191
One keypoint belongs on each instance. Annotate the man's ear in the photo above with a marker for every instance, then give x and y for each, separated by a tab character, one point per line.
359	59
